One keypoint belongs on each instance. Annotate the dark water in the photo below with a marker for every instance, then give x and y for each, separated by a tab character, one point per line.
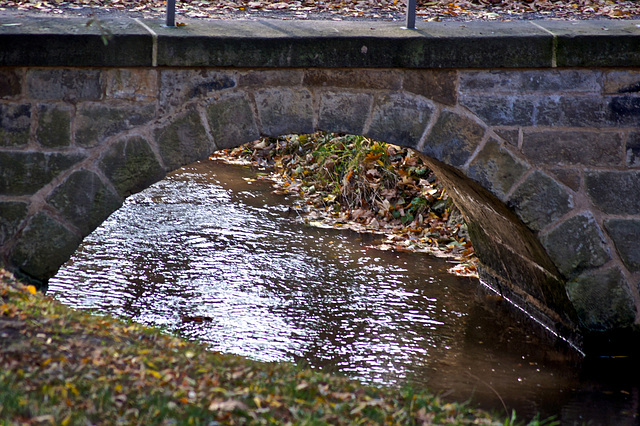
214	257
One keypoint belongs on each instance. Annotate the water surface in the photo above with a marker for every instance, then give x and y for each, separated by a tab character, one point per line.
212	256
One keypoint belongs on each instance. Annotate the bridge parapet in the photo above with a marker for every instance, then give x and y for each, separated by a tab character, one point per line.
538	145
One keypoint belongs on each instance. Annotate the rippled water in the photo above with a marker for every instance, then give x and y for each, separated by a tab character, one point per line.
214	257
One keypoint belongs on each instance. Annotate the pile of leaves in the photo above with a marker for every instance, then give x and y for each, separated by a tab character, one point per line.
61	366
428	10
352	182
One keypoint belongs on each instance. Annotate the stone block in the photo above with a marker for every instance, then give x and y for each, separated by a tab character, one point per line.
625	233
44	245
539	201
563	147
520	81
270	78
64	84
10	83
344	112
130	165
12	213
232	121
511	136
54	125
131	84
602	300
284	111
576	245
24	173
614	192
95	122
183	140
178	86
84	200
502	110
569	177
15	122
437	85
633	149
400	119
354	78
453	139
621	81
496	168
623	110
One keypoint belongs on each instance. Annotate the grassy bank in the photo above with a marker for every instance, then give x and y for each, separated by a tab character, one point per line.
61	366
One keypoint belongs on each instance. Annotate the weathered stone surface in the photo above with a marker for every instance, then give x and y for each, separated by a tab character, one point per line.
575	147
502	110
400	119
540	201
10	83
602	300
437	85
569	177
270	78
623	111
621	81
15	122
12	213
614	192
625	234
131	166
344	112
453	139
355	79
519	81
96	122
43	246
178	86
576	245
285	111
131	84
232	121
633	149
511	136
183	141
84	200
496	168
24	173
54	125
64	84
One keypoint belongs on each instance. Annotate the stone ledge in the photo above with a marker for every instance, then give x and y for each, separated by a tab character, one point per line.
46	41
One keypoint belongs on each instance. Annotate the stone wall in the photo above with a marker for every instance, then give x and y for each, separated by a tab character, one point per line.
545	163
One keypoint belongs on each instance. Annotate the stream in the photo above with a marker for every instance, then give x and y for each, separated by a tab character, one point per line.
210	254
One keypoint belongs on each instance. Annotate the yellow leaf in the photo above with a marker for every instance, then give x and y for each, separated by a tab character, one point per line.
31	289
155	374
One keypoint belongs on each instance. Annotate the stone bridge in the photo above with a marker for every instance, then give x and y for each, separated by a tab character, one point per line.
534	127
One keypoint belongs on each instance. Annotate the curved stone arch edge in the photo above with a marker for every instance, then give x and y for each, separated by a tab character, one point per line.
191	124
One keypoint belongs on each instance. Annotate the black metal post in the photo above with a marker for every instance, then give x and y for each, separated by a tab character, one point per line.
411	15
171	13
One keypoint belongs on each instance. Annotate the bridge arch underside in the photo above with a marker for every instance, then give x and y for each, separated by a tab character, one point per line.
544	163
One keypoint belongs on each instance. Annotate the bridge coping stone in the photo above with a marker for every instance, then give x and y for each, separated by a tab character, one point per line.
44	41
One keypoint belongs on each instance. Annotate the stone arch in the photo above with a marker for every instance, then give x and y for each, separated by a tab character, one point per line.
124	129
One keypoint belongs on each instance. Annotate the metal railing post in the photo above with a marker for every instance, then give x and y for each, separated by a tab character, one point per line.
171	13
411	15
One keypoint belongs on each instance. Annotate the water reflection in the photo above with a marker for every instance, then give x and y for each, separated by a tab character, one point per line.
216	258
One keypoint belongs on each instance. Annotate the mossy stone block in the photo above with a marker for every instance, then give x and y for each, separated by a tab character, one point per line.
625	234
54	125
284	111
400	119
453	139
84	200
44	245
232	121
24	173
602	300
183	140
96	122
131	166
344	112
12	213
15	122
